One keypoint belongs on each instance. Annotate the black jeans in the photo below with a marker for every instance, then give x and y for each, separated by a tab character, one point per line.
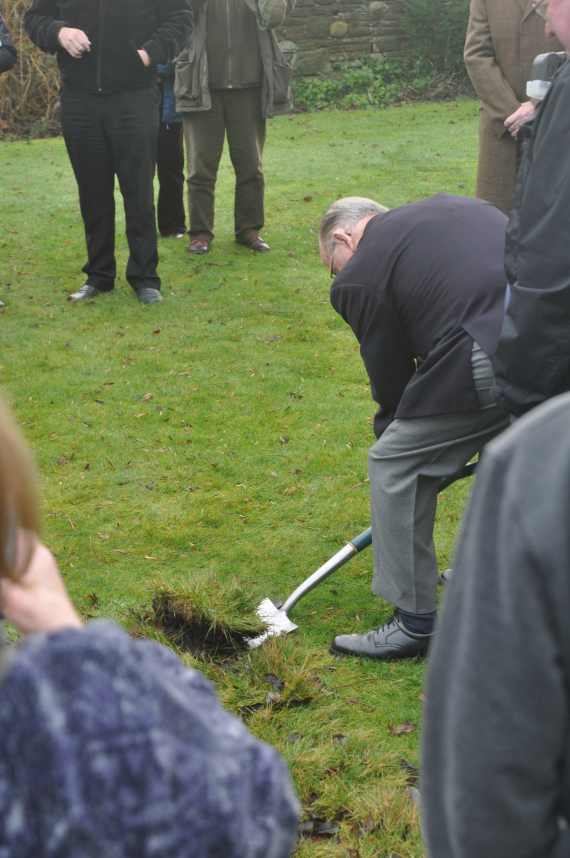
170	169
108	136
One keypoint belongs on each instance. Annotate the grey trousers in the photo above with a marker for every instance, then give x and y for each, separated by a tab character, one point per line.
406	466
237	114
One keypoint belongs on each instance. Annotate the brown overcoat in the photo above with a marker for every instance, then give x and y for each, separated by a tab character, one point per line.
503	38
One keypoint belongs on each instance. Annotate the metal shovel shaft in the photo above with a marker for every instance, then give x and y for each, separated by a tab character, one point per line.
361	541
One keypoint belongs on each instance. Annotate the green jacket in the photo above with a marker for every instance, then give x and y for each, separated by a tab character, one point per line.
191	86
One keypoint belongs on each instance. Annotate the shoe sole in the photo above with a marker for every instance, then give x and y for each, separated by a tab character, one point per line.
334	650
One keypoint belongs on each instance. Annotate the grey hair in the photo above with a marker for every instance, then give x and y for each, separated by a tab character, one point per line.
345	214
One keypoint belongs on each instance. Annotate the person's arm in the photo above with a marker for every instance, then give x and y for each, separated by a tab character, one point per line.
522	114
8	54
382	344
175	26
42	25
497	710
489	82
532	362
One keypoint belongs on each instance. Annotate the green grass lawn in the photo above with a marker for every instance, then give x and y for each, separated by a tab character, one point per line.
219	440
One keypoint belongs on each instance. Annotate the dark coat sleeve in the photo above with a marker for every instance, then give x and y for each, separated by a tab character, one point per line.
8	54
376	326
175	26
497	710
42	24
533	356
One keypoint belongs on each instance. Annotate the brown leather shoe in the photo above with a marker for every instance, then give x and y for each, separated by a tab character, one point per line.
253	241
199	243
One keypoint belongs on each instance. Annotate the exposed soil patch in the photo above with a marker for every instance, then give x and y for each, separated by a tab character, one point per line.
192	628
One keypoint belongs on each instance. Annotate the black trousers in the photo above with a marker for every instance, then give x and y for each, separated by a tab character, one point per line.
170	169
108	136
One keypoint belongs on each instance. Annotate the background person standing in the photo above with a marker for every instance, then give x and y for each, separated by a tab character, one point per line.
231	77
107	55
8	54
170	161
503	38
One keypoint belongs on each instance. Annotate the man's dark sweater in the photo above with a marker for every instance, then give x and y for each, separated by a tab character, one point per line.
116	29
234	59
426	280
496	746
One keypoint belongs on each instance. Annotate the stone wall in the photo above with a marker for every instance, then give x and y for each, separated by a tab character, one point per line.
320	32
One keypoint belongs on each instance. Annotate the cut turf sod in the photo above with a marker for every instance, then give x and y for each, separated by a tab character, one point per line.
212	622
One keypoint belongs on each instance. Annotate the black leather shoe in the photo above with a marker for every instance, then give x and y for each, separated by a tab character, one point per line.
148	295
389	642
85	293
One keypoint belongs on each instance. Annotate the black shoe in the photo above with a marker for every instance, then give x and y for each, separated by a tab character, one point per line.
389	642
86	292
148	295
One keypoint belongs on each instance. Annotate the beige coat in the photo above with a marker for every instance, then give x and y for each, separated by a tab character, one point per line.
503	38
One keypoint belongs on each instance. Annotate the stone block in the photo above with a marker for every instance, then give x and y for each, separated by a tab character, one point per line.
338	29
313	62
378	9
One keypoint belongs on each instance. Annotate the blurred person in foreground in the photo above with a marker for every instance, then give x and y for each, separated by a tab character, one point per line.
107	55
422	287
8	58
503	38
496	737
533	356
110	746
8	54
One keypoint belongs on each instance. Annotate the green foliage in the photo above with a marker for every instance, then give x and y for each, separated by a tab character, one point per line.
374	81
436	33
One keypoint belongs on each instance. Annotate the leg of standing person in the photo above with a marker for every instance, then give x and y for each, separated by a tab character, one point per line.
132	126
91	157
496	166
170	170
246	139
204	132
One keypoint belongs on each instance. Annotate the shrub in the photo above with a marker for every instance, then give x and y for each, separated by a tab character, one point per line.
375	81
435	30
29	94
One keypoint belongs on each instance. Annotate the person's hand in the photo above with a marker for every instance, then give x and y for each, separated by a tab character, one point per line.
74	41
521	115
145	59
37	600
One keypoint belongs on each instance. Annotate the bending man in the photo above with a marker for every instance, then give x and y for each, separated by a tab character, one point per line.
422	287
